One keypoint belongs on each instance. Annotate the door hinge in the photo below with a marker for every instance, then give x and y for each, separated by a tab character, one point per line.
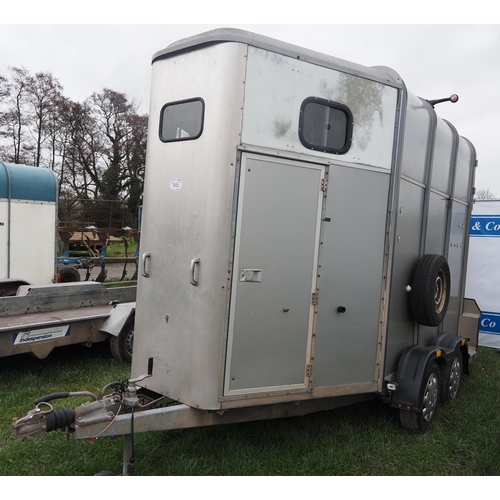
314	299
309	370
324	184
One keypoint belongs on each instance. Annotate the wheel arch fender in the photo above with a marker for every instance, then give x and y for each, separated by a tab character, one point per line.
412	366
452	344
117	318
10	285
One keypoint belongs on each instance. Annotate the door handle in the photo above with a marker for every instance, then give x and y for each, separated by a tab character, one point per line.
145	257
194	264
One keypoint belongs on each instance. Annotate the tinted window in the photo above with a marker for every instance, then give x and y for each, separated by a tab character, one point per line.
325	126
182	121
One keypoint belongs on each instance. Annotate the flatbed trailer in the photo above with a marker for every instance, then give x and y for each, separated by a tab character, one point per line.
41	318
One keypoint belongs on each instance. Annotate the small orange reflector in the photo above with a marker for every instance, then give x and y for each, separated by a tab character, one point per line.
438	354
463	342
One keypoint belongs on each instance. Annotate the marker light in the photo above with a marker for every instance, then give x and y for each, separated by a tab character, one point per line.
454	98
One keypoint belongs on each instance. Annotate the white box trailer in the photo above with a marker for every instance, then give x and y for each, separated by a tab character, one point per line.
28	215
303	244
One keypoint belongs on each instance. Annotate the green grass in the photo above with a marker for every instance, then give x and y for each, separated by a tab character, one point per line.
116	249
360	440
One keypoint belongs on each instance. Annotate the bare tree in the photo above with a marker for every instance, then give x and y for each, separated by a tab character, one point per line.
83	151
43	95
4	89
15	118
94	147
484	194
4	94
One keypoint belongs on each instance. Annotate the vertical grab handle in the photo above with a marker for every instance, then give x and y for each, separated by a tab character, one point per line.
145	257
194	264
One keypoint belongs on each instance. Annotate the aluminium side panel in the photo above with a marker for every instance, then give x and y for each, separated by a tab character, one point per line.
277	85
437	171
409	216
188	215
461	207
438	213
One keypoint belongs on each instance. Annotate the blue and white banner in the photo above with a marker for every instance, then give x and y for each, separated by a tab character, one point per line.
485	226
483	269
490	323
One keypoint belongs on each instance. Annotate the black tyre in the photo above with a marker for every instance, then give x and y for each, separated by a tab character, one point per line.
451	379
122	346
68	275
429	400
430	290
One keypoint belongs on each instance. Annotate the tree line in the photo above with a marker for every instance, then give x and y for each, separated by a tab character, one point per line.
96	148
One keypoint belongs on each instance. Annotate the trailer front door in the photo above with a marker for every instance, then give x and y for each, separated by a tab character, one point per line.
274	275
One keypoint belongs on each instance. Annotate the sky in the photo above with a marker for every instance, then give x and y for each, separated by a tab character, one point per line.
112	47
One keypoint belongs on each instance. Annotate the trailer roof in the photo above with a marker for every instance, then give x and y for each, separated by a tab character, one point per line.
27	183
380	74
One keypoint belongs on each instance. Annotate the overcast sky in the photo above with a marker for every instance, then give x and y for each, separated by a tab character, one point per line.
434	60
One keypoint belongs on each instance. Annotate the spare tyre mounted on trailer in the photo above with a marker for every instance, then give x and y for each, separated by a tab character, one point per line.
430	290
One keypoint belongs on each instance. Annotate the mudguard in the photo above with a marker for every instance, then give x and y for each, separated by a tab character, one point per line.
117	318
10	285
451	344
413	364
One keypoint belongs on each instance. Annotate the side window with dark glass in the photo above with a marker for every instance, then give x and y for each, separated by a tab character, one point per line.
325	126
182	120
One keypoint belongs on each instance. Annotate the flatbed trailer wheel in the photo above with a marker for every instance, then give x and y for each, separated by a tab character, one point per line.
430	290
122	345
451	379
429	400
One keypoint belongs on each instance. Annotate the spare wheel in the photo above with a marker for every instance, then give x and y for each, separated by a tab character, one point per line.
430	290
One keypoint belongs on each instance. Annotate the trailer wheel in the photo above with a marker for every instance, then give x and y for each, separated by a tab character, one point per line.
429	400
451	379
68	275
430	290
122	346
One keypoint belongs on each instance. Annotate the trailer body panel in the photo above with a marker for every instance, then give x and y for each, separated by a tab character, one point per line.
28	214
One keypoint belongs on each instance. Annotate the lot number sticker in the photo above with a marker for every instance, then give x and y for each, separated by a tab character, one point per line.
175	184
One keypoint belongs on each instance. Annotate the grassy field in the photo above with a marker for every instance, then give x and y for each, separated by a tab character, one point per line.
361	440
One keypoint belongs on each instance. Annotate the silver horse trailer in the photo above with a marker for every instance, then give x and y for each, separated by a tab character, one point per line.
303	244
